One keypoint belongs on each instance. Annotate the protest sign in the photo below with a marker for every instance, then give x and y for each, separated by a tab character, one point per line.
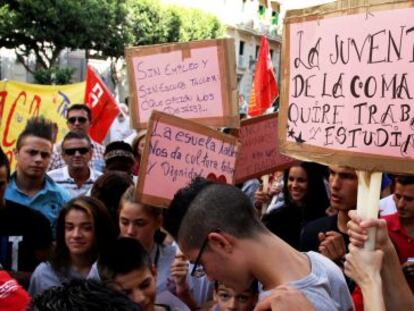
21	101
259	150
176	151
194	80
348	85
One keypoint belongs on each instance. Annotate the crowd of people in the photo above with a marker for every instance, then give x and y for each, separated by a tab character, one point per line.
74	237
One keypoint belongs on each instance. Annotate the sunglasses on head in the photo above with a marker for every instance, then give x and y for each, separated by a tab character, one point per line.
72	151
72	120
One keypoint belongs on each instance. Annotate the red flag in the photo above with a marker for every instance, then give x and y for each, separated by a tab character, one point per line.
264	90
102	104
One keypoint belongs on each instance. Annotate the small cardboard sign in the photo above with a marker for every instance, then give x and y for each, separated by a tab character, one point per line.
176	151
259	150
194	80
347	94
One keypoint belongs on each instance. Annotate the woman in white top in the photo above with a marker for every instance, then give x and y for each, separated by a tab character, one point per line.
83	229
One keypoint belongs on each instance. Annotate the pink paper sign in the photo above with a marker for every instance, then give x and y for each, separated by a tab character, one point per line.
188	87
259	151
177	151
351	83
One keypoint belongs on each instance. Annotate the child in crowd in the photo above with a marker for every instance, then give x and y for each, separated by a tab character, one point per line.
127	267
228	299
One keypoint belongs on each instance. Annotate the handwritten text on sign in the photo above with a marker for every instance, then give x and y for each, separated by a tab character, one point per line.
177	86
177	155
259	151
352	83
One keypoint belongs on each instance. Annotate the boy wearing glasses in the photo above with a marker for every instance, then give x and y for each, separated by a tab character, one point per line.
217	228
79	119
76	176
29	185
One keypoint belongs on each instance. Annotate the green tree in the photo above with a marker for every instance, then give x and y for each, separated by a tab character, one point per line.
53	75
152	23
43	28
149	22
197	25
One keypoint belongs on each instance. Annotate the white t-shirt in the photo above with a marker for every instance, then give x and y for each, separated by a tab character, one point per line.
325	287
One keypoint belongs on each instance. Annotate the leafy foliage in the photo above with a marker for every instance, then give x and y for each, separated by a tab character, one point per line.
151	23
54	75
197	25
43	28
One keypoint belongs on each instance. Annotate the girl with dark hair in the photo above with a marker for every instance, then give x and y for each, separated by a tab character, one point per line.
306	199
83	229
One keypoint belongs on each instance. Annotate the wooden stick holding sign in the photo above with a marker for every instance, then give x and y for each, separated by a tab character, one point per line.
265	189
350	109
369	188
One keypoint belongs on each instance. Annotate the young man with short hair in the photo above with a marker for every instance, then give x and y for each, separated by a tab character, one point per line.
25	234
76	176
401	225
328	235
79	119
217	228
30	185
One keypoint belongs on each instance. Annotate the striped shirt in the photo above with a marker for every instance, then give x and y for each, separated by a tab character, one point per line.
61	177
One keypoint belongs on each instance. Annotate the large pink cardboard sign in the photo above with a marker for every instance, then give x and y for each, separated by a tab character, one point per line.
259	151
348	87
176	152
194	80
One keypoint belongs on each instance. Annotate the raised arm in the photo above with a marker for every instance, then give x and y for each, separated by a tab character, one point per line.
395	297
364	267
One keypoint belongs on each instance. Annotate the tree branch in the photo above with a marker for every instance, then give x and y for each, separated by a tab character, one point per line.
21	59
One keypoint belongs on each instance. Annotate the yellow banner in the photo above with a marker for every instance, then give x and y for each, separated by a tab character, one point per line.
21	101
